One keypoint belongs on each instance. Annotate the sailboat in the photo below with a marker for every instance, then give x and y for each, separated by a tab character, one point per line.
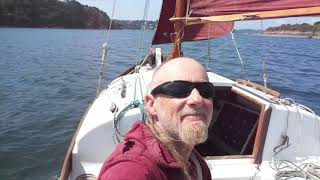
255	133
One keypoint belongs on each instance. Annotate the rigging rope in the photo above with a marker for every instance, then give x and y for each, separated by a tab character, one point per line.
209	48
188	12
102	65
286	169
264	75
244	72
111	19
289	170
240	58
134	104
284	137
137	80
105	50
225	44
120	115
256	172
143	26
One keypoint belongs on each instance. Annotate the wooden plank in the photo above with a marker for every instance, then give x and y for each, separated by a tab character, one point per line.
310	11
262	128
259	87
261	135
228	157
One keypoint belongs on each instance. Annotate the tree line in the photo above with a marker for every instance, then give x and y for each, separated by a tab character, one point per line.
51	13
61	14
135	24
315	28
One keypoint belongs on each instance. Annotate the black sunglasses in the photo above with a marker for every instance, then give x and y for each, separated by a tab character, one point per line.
181	89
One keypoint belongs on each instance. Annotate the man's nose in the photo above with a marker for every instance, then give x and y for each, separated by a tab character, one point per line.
195	99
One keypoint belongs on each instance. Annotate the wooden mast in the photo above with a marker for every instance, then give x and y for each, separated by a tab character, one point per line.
178	29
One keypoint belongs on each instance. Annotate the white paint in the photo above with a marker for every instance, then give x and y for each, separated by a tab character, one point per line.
94	141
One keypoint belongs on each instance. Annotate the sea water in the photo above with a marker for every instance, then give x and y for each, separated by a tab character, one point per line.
48	77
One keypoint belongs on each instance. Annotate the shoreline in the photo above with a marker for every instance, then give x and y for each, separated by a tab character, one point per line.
19	27
289	35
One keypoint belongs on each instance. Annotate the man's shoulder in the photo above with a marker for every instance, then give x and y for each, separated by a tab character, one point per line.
127	169
134	158
129	150
139	153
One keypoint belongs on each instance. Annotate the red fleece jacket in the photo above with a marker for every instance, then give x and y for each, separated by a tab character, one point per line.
142	157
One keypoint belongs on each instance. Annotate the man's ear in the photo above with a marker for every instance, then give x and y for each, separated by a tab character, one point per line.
149	103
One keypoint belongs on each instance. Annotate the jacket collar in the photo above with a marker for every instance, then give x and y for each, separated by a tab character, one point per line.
157	151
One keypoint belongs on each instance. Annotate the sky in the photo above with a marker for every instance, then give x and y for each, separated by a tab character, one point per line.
134	10
127	9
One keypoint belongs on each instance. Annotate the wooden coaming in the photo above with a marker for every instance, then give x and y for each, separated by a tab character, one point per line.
262	128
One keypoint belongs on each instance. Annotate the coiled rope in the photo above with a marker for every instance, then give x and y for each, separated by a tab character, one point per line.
288	170
117	134
134	104
120	115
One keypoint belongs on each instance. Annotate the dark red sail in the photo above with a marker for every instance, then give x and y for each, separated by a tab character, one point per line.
226	7
204	8
195	32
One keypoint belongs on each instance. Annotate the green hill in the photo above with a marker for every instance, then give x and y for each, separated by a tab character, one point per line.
51	13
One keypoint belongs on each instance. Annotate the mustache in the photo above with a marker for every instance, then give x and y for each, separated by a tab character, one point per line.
194	112
200	114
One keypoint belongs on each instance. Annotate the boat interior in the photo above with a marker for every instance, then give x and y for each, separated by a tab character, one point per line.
234	125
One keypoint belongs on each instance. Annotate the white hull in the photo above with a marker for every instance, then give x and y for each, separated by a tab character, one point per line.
94	139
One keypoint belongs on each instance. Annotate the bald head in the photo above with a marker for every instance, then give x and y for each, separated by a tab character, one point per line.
179	69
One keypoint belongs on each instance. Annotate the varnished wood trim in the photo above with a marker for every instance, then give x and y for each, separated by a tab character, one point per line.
261	134
262	128
251	99
259	87
228	157
250	16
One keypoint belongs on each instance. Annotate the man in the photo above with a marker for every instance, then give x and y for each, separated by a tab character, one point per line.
179	108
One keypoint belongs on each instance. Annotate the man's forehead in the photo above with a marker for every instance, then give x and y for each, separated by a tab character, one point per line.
180	69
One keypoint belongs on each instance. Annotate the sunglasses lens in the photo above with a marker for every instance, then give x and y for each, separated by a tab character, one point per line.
177	89
184	88
205	90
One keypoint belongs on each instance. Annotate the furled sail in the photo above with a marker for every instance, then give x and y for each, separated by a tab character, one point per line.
211	18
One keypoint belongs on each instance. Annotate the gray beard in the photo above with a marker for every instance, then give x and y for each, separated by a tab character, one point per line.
193	133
